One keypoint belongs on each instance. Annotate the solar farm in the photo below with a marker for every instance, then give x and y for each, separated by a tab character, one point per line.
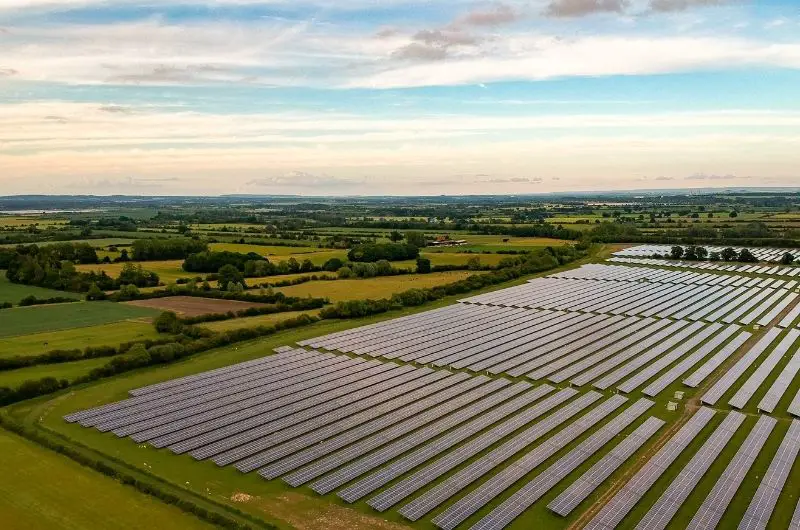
635	393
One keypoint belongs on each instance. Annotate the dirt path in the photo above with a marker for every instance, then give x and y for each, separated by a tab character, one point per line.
692	405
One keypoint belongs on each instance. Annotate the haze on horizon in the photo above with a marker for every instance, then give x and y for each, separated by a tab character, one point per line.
400	97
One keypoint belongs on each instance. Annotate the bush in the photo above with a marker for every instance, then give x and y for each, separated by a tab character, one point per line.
345	272
423	265
167	322
333	265
5	305
32	300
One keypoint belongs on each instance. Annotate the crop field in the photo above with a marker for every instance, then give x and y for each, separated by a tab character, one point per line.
192	306
45	318
14	292
261	320
96	243
273	252
42	490
78	338
168	270
69	371
380	287
6	222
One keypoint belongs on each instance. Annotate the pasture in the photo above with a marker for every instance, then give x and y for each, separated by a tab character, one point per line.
380	287
44	318
42	490
273	252
69	371
250	322
78	338
14	292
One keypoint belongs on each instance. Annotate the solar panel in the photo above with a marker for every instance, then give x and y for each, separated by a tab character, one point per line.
486	492
699	375
759	511
665	508
579	490
717	501
477	469
613	512
531	492
785	378
751	385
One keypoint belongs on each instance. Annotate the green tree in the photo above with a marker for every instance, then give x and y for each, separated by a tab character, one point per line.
676	252
417	239
745	256
395	236
95	293
423	265
728	254
787	258
229	274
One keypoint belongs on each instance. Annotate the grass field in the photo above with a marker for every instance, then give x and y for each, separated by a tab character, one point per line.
95	243
43	490
168	271
67	339
274	252
261	320
44	318
14	292
69	371
28	221
381	287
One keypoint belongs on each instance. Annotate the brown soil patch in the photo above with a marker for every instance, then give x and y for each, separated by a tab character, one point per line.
192	306
306	513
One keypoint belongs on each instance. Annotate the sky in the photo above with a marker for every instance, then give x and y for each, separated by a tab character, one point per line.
401	97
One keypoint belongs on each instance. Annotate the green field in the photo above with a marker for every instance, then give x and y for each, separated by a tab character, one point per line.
67	339
43	490
39	319
69	371
274	252
381	287
168	271
14	292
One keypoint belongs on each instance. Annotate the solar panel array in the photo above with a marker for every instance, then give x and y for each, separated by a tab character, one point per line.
420	418
712	266
761	253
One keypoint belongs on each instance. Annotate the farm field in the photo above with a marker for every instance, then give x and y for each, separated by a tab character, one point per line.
192	306
30	221
38	319
69	371
78	338
168	270
96	243
261	320
274	252
380	287
43	490
14	292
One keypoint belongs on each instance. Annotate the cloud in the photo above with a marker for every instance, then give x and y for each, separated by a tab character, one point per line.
114	109
434	45
579	8
495	16
302	179
168	74
514	180
670	6
665	178
706	176
8	72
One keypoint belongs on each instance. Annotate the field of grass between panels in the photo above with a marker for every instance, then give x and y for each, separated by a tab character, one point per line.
78	338
44	490
14	292
45	318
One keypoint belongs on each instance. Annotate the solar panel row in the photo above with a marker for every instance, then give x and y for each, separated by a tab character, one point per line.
761	253
710	266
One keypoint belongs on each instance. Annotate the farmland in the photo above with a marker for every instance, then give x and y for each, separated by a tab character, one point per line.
13	292
489	407
77	338
382	287
39	319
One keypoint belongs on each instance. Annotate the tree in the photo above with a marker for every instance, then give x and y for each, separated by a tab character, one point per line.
228	274
474	263
167	322
714	256
787	258
676	252
690	253
306	266
746	257
417	239
345	272
333	265
95	293
423	265
733	214
728	254
395	236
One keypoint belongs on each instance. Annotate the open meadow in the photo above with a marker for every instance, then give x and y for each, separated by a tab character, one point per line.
14	292
43	318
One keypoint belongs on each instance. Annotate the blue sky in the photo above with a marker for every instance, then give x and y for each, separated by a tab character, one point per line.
396	96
